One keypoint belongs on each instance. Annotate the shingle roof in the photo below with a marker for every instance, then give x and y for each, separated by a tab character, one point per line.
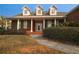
46	13
74	9
61	13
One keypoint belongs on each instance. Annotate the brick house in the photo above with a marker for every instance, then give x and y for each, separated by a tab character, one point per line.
35	22
73	15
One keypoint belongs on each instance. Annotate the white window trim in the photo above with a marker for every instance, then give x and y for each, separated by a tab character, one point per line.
55	11
26	12
41	11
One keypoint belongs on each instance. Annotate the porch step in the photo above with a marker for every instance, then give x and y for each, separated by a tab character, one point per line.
36	36
34	33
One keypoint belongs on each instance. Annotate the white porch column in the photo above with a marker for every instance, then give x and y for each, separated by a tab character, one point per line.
55	22
18	24
6	25
31	25
43	23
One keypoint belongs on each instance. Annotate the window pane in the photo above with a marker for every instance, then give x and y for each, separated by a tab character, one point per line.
25	11
39	11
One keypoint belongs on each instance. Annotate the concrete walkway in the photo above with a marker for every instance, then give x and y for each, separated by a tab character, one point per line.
70	49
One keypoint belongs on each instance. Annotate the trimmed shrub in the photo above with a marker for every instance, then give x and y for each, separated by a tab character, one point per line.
70	34
1	30
74	24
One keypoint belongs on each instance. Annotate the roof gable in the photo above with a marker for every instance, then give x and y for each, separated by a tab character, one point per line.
74	9
26	7
39	7
54	6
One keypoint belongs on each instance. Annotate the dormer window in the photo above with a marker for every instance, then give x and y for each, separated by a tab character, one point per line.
39	10
53	10
26	11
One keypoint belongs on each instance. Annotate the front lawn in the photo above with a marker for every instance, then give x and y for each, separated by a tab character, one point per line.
22	44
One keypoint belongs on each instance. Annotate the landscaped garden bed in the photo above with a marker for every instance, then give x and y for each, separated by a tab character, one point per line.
69	35
15	44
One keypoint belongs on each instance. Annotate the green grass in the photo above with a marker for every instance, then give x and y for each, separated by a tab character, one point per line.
15	44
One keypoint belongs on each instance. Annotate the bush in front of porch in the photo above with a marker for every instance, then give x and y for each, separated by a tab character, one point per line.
1	30
71	24
64	34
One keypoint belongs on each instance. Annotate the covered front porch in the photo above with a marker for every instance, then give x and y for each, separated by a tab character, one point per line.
34	24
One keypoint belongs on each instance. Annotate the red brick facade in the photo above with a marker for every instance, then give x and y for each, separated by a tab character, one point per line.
74	15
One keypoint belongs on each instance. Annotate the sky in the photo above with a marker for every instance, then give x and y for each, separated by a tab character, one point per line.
14	9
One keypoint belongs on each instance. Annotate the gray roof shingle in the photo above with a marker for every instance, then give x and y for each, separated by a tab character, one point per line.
46	13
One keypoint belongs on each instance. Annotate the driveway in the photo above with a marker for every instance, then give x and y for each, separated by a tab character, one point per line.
69	49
